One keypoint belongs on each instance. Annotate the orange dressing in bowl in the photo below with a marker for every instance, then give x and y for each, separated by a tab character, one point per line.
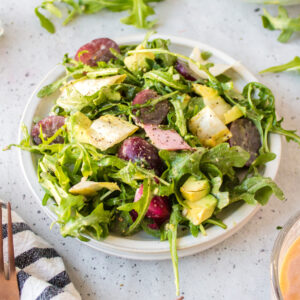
290	273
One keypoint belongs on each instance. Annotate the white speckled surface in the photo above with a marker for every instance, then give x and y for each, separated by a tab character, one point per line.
235	269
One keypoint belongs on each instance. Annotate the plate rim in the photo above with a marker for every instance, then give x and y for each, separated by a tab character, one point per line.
159	250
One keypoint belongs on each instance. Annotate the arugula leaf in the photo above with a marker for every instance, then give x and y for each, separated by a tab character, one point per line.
223	197
171	232
145	226
256	189
45	22
290	135
182	163
75	10
262	159
216	222
140	206
66	202
52	9
259	102
225	158
216	180
139	10
138	15
180	117
50	88
165	60
194	106
167	78
205	55
293	65
129	175
282	22
71	100
93	225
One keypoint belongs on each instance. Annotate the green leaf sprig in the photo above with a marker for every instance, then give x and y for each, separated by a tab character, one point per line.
282	22
293	65
139	11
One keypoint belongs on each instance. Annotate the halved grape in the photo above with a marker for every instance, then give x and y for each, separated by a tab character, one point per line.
138	150
183	69
49	126
97	50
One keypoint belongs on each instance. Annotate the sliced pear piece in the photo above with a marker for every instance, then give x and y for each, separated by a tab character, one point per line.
215	70
108	131
88	87
233	114
212	99
90	188
210	130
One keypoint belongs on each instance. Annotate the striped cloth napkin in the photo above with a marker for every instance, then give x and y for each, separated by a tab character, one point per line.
41	271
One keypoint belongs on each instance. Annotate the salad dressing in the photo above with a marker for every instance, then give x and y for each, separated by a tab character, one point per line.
290	273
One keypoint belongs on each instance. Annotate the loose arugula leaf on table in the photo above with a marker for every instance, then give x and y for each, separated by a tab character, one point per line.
293	65
45	22
282	22
138	15
139	11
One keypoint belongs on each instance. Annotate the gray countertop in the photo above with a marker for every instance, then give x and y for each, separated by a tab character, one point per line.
235	269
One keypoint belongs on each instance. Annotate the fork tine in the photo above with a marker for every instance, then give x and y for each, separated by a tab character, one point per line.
11	255
1	246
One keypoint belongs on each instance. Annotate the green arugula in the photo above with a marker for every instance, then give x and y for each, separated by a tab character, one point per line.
256	189
293	65
140	206
282	22
258	105
225	158
139	11
171	233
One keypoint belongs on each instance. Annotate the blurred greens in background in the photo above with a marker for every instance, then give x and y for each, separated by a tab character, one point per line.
139	12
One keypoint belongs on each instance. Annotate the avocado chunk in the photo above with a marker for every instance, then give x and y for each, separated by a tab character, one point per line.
194	189
200	210
77	125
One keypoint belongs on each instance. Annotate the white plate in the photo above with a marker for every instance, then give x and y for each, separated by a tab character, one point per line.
142	246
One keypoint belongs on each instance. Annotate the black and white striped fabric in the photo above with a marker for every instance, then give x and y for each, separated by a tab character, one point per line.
41	271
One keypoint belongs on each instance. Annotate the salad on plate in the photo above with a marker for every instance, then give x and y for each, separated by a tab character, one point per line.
144	139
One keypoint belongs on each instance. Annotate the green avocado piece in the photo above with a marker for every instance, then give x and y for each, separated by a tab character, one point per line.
77	125
201	210
194	189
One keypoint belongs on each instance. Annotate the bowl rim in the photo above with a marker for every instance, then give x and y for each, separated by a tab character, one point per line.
152	249
274	270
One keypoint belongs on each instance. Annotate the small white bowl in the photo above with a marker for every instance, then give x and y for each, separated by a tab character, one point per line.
142	246
285	239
